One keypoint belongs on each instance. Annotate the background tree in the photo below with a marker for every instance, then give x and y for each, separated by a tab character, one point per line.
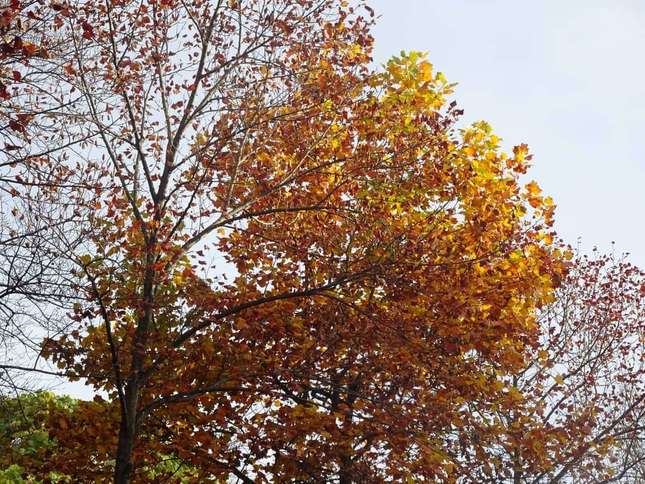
24	439
33	286
582	416
25	442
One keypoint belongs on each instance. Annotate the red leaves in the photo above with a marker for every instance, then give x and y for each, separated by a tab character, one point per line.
17	126
8	15
587	370
88	30
4	92
69	69
62	9
21	49
19	123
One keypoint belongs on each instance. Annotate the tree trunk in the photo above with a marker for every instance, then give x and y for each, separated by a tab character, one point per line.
127	435
128	429
345	474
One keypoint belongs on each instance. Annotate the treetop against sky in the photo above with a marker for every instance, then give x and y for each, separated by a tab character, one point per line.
395	304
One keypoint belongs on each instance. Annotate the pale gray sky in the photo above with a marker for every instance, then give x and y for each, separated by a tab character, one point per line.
565	76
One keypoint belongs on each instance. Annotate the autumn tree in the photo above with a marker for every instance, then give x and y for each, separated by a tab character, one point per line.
289	266
33	285
25	440
583	410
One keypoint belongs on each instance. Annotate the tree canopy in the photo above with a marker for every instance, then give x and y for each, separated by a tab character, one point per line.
279	263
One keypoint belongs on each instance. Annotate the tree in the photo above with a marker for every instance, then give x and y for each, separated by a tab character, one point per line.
290	266
33	287
584	409
24	439
26	443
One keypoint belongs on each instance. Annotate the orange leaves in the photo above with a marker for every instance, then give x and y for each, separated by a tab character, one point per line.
534	198
425	70
373	268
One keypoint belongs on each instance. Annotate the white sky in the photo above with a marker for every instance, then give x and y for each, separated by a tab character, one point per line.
565	76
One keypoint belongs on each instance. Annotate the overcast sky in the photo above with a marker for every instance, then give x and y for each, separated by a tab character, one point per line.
565	76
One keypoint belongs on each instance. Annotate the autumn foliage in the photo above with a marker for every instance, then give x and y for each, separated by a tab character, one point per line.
584	384
289	266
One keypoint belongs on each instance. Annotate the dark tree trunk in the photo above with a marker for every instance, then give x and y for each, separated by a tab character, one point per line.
127	436
128	429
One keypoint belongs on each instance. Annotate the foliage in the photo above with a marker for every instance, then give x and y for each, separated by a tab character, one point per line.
287	265
584	386
24	438
25	441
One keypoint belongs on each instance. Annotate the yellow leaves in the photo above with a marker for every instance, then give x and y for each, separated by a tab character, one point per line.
410	82
441	78
425	69
480	269
177	278
303	411
469	151
298	411
516	256
355	51
396	208
515	395
521	152
335	143
201	139
559	379
533	189
546	237
483	168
